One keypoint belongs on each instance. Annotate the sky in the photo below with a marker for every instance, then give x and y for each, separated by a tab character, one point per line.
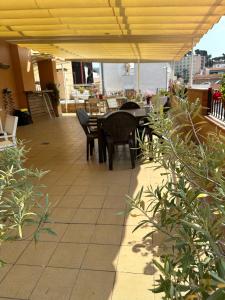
214	40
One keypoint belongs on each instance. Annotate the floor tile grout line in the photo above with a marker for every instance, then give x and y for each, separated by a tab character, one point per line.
44	268
15	262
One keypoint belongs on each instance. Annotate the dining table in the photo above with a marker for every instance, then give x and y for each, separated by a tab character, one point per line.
138	113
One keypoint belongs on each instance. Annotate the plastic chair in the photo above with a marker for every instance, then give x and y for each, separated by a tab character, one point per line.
129	105
89	125
8	135
119	129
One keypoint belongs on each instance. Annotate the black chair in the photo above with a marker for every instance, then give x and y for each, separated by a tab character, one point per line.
119	129
89	125
143	129
129	105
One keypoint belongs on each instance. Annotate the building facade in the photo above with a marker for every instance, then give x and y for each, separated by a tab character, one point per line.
183	67
123	76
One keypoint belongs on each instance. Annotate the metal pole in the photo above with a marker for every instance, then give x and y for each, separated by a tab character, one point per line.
173	70
138	77
102	78
166	77
191	70
64	85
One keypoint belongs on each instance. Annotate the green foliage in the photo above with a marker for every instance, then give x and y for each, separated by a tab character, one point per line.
163	92
222	88
54	94
188	208
20	193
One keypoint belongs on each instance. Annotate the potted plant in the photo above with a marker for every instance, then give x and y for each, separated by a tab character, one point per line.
54	96
187	210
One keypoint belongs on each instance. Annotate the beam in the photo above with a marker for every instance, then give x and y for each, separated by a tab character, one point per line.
105	39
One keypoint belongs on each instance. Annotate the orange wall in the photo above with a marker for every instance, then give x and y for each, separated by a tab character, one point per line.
19	77
26	69
202	95
24	73
7	79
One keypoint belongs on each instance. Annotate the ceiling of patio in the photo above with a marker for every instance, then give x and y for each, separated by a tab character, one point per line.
109	30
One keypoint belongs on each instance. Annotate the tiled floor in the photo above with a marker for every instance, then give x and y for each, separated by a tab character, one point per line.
95	255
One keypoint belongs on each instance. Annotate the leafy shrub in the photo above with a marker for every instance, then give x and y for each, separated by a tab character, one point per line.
188	208
20	192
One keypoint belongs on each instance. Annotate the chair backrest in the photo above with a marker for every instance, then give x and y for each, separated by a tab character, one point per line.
112	103
130	105
119	126
121	100
83	119
93	104
11	125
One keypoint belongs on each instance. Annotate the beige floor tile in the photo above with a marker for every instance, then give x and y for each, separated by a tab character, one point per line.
133	287
37	254
55	283
62	215
92	202
134	217
4	270
68	255
111	216
59	230
118	190
70	181
70	201
10	251
101	257
78	190
20	281
66	179
78	233
93	285
135	238
118	202
107	234
135	260
87	215
97	190
58	190
53	201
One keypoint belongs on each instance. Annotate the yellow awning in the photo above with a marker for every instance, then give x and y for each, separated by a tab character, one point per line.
109	30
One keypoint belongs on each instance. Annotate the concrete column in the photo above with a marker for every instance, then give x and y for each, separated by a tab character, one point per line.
23	73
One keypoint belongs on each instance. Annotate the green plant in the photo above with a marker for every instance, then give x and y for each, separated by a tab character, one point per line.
222	88
163	92
20	193
188	208
54	94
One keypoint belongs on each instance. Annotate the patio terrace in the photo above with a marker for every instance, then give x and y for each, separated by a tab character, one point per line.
95	255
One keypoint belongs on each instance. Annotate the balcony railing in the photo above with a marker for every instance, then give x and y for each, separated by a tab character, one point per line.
216	108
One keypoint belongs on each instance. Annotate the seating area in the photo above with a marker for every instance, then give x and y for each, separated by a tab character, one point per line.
123	126
112	173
